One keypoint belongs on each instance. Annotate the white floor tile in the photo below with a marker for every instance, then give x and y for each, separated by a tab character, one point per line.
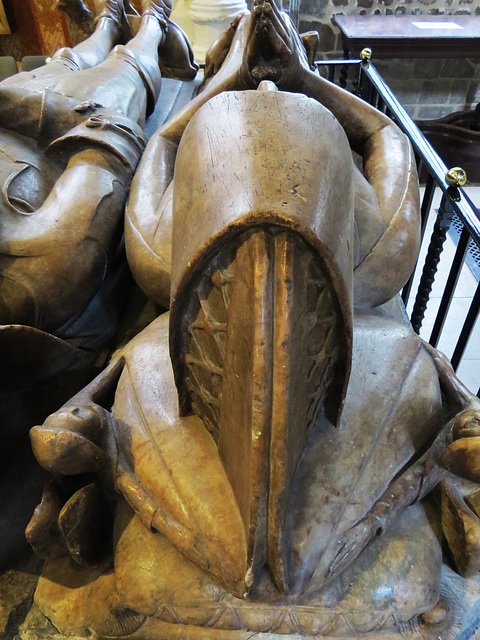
469	373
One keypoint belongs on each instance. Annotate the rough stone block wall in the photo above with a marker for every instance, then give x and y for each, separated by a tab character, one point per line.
429	87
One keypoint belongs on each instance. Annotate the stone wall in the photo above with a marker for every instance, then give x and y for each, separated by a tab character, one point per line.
428	88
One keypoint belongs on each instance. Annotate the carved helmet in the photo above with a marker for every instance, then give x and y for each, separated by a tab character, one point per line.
261	309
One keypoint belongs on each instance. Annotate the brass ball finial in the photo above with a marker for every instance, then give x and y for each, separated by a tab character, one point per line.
456	177
366	54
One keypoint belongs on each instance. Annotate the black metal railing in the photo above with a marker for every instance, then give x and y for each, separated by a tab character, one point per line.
454	203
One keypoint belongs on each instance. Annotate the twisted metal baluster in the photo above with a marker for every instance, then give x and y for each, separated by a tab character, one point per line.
425	212
442	224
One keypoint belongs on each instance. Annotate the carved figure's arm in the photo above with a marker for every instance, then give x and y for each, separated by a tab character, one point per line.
227	79
410	487
148	220
39	114
67	240
389	166
20	111
455	449
69	213
388	162
265	45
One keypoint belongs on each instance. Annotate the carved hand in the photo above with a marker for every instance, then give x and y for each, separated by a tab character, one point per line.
220	48
274	50
354	541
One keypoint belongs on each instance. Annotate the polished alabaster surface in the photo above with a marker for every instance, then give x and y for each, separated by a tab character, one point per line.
279	455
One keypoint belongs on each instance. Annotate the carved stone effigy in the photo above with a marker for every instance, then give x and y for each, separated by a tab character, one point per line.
279	455
71	137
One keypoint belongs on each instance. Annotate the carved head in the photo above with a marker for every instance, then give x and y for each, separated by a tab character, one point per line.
261	325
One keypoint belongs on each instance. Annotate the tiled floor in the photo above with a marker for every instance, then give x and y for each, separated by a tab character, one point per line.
469	368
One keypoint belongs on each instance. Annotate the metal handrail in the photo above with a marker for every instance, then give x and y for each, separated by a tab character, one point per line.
466	208
462	204
454	200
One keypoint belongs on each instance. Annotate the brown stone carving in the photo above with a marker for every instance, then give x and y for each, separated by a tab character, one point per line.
84	110
266	450
71	136
386	226
175	55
